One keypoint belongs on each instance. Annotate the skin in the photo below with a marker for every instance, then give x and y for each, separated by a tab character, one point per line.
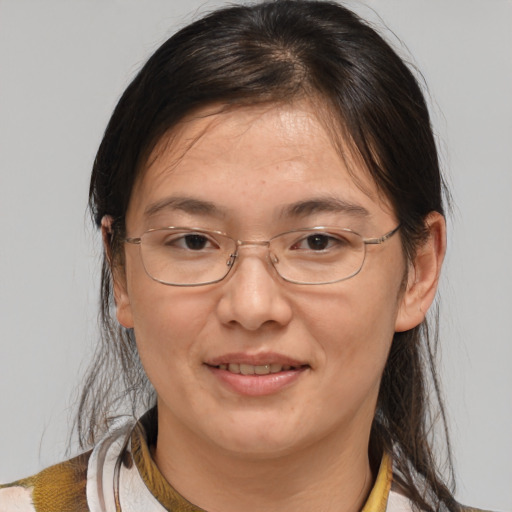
305	446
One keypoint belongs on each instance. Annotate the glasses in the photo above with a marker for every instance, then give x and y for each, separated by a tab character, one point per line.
181	256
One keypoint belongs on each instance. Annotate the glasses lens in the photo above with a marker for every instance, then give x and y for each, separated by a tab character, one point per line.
318	256
186	257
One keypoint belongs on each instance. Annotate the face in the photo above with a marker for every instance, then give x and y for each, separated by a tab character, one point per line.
240	172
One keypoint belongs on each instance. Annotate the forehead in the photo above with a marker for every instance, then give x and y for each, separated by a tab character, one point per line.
261	157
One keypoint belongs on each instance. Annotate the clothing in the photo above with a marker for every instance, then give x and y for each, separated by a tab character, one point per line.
119	475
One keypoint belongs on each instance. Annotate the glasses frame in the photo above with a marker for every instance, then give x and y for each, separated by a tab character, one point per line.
264	243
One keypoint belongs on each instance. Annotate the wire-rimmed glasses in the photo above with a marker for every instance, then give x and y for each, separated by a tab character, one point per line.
183	256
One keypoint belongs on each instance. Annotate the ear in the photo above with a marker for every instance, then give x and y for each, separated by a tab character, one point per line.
423	275
121	298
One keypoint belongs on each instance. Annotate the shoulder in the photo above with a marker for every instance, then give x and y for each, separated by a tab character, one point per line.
80	484
399	502
58	488
463	508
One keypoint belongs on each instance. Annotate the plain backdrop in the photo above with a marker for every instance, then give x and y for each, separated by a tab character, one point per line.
64	64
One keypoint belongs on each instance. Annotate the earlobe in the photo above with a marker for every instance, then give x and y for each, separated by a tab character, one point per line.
121	298
423	275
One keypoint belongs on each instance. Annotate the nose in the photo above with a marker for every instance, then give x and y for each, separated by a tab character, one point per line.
253	294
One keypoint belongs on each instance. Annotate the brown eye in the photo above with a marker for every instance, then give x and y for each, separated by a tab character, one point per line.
318	242
195	242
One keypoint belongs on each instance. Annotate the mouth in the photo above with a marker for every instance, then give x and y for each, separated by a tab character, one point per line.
260	369
257	375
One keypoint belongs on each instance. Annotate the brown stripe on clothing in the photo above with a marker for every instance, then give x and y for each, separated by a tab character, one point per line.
154	480
59	488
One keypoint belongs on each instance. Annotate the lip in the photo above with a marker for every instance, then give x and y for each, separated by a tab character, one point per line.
255	359
257	385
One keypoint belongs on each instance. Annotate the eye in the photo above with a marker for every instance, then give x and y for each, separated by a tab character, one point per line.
195	242
191	242
319	242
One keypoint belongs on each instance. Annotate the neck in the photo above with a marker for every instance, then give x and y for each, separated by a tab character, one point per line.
333	475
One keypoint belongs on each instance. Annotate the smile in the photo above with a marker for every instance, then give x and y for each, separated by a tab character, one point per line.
263	369
257	375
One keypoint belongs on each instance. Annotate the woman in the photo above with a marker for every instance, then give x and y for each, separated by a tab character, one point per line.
270	200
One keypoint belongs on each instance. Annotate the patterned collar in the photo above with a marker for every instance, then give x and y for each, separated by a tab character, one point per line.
120	475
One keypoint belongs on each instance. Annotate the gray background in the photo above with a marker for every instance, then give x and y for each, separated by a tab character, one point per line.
63	65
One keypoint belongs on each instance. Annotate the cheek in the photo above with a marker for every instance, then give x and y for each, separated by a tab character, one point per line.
166	318
167	328
167	322
353	331
355	327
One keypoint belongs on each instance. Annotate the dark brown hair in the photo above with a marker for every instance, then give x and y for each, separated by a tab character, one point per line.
280	51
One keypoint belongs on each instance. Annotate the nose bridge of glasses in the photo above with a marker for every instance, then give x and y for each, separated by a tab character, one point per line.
254	243
263	243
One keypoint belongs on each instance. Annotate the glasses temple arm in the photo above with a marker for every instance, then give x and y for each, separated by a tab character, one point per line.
383	238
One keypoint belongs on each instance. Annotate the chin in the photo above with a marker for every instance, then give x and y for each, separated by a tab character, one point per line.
260	438
259	447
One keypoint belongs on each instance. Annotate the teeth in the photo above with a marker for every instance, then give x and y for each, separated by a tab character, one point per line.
249	369
234	368
262	370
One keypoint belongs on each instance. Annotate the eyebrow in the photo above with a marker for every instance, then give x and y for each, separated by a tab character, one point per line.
297	209
185	204
323	204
